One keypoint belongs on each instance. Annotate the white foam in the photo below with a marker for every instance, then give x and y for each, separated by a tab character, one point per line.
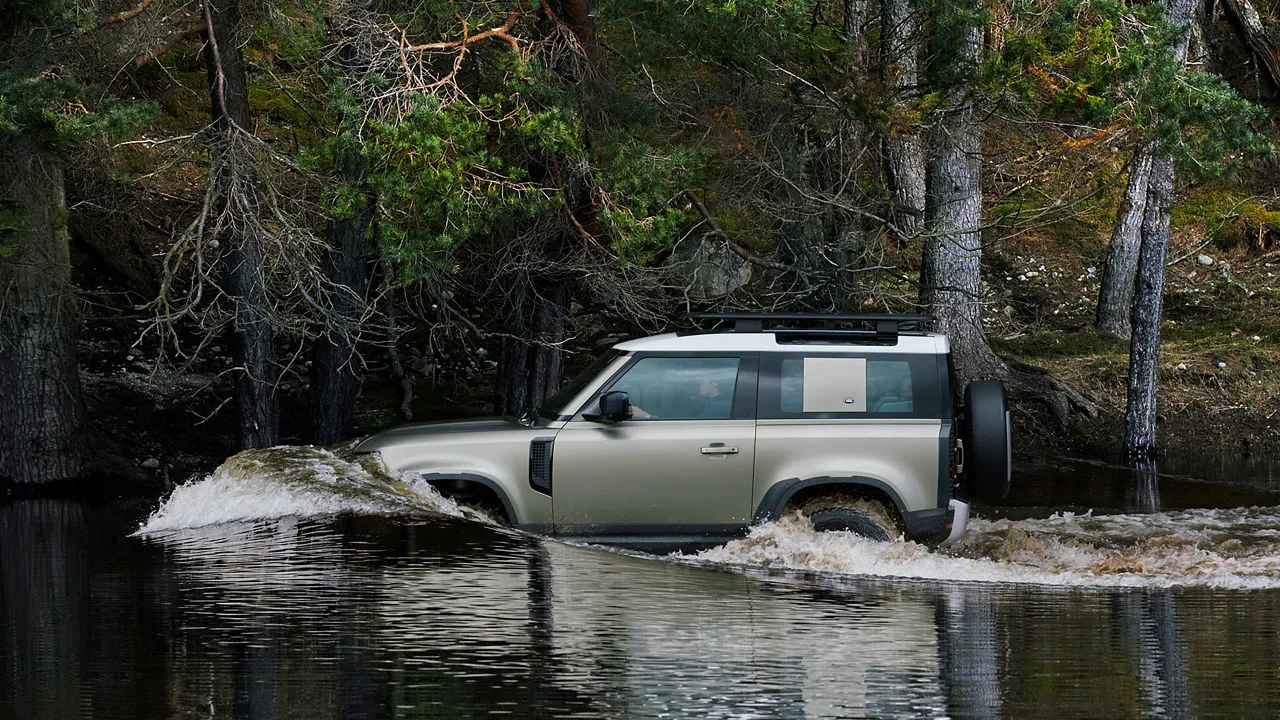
294	481
1236	549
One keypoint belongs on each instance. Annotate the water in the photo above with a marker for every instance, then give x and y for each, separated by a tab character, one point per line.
286	587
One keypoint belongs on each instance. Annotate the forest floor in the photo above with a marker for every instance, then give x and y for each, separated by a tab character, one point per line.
1219	382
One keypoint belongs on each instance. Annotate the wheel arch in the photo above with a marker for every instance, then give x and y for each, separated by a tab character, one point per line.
489	492
795	491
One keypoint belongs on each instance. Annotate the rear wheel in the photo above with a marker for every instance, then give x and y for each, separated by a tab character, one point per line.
866	518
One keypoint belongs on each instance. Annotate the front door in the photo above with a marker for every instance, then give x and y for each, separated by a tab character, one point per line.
682	466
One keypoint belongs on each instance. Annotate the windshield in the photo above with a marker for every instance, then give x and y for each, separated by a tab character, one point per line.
551	408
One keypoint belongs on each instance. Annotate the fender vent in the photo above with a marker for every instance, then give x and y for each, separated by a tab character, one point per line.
540	464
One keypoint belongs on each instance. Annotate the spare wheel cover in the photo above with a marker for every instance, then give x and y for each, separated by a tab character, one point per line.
987	450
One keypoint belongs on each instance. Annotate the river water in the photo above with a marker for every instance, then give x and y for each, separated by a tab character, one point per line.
310	588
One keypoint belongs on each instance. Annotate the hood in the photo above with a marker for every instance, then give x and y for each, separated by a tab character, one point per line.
438	430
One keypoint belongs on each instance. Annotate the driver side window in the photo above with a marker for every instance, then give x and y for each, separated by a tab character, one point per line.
680	388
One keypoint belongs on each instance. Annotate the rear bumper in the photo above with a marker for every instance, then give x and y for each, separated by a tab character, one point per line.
938	526
959	521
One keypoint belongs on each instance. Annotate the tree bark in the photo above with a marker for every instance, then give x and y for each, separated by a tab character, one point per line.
1116	294
576	14
1148	291
42	433
530	363
904	158
1148	298
258	409
1263	45
854	16
335	378
950	276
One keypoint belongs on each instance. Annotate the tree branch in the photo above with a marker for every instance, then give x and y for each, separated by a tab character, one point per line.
126	15
163	46
502	32
736	249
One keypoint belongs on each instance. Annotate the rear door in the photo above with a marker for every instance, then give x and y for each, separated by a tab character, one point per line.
683	464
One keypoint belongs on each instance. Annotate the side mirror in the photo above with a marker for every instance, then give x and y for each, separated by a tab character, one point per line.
615	406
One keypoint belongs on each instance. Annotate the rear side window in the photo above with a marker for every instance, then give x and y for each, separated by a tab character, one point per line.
844	386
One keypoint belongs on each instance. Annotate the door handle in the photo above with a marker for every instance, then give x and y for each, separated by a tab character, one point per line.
719	450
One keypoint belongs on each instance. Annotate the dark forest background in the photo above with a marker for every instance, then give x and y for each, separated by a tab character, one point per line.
242	223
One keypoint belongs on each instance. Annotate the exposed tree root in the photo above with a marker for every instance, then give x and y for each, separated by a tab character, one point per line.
1027	383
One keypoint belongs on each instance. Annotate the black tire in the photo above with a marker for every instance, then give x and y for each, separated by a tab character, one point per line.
986	435
859	522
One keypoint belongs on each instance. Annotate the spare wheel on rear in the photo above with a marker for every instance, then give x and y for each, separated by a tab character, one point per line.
987	437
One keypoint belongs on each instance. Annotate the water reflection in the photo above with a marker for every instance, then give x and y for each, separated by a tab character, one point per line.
1157	653
372	618
970	650
1144	493
1076	483
47	594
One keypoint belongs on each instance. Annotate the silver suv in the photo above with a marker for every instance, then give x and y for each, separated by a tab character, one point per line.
685	440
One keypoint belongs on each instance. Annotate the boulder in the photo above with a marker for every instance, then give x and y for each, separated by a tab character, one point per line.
709	267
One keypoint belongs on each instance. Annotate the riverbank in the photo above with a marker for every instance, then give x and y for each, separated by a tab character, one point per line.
1219	383
157	425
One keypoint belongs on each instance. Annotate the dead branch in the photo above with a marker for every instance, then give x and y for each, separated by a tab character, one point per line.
502	32
737	249
163	46
126	15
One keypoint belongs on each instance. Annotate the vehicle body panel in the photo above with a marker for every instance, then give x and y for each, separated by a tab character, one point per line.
676	472
897	452
495	449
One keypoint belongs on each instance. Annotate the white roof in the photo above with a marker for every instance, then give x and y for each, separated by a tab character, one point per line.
921	343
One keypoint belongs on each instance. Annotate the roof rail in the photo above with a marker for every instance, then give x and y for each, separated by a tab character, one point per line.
886	326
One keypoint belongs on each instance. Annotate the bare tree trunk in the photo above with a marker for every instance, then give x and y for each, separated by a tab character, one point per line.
1116	294
1265	47
254	346
335	377
904	159
1148	292
951	272
42	434
854	17
1148	298
576	14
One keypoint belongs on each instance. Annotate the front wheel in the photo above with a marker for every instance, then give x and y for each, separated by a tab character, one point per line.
865	518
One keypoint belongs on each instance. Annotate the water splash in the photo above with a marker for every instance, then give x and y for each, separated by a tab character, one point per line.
1233	549
296	481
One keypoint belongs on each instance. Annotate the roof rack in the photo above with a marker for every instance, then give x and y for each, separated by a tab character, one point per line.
885	326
